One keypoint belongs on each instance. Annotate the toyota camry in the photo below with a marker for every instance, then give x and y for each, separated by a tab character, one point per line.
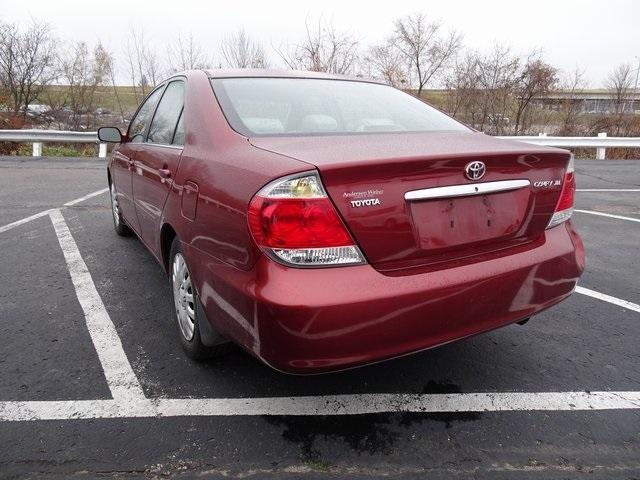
323	222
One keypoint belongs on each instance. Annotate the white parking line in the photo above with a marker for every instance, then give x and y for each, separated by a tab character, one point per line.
44	213
401	402
69	410
22	221
608	298
122	381
357	404
86	197
600	214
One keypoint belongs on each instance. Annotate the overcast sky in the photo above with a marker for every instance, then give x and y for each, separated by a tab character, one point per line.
593	35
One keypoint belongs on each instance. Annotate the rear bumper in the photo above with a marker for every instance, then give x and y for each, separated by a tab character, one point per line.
317	320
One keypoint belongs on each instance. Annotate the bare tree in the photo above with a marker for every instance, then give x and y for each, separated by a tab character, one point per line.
496	92
462	85
571	110
424	47
620	81
142	62
324	49
535	79
479	88
385	61
241	51
27	62
186	54
497	76
110	66
84	72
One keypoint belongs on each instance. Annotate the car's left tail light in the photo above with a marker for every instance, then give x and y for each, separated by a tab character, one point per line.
295	223
564	208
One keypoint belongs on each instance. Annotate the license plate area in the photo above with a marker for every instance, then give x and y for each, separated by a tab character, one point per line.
453	222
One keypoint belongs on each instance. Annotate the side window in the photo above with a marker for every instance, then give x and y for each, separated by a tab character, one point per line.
139	124
178	137
165	120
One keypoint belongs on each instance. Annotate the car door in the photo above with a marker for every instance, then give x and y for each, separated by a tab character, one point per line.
156	163
124	157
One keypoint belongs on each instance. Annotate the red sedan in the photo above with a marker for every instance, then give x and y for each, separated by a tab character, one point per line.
324	222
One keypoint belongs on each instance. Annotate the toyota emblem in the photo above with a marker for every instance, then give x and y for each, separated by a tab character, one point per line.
475	170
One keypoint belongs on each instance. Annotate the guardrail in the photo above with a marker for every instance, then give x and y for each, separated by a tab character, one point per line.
39	137
600	143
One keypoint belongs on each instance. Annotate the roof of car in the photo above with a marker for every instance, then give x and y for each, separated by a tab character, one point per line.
269	73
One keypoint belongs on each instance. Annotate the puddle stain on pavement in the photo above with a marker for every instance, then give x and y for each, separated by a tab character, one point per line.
375	433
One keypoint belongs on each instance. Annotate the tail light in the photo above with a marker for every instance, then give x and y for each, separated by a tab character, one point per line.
564	208
295	223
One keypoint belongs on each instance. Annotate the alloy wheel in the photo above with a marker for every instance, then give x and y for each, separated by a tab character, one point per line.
183	297
115	210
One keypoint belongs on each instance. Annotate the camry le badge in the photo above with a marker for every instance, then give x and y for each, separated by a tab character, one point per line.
547	183
475	170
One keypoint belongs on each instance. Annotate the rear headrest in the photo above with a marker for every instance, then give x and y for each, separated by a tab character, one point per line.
318	123
263	125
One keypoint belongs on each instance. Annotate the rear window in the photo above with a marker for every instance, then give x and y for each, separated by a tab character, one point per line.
297	106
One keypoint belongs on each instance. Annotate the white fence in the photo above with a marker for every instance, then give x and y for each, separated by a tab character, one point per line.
38	137
600	143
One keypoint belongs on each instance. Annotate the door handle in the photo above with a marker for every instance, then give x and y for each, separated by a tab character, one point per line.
165	172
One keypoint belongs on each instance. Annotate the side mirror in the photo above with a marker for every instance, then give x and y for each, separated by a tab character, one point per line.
109	134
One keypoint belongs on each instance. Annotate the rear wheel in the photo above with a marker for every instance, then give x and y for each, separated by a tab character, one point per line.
119	226
185	306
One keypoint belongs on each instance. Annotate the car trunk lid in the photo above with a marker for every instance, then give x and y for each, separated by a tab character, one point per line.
408	203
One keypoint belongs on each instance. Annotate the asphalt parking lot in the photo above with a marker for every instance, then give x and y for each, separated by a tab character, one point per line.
94	382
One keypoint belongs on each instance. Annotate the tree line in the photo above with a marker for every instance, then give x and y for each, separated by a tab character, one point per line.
492	91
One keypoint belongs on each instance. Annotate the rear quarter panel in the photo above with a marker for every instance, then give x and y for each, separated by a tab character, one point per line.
227	171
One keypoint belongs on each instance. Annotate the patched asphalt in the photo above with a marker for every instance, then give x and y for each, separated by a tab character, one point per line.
583	344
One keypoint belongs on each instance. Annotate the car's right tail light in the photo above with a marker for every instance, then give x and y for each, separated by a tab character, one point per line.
295	223
564	208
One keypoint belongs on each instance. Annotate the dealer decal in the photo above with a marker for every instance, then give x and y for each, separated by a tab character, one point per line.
364	198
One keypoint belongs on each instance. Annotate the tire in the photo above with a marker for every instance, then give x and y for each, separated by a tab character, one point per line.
184	300
119	225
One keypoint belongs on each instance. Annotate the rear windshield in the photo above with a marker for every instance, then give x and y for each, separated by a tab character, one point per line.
300	106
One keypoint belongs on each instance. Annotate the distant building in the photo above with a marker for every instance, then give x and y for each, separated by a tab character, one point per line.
589	101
